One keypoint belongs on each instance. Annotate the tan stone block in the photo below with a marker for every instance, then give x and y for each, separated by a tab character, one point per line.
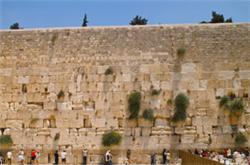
161	122
144	123
187	139
128	86
146	131
112	123
7	97
144	69
130	123
13	124
188	67
126	77
65	140
98	123
23	79
107	87
157	68
102	69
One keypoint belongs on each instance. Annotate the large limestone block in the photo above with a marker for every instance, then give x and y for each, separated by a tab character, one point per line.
226	75
146	131
62	106
155	104
207	129
66	140
23	79
165	85
98	123
160	122
7	97
112	123
39	140
188	67
226	129
144	69
187	139
38	123
126	77
6	72
13	124
102	69
146	86
143	123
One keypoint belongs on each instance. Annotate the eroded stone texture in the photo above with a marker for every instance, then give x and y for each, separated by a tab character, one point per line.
34	68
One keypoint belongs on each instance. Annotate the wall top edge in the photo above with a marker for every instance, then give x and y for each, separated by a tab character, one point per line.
127	26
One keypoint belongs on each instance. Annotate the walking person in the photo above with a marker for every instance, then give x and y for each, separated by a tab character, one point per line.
37	156
56	157
33	156
164	156
84	154
168	158
63	155
153	158
9	156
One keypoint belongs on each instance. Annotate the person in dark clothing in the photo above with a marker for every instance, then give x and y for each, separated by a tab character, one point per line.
164	156
56	157
153	158
196	152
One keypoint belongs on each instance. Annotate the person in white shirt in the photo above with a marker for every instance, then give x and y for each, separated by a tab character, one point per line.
37	156
9	156
84	154
20	159
63	155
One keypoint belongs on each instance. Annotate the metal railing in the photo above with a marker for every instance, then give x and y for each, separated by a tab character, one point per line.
192	159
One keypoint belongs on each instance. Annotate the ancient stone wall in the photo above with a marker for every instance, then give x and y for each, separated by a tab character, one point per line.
36	64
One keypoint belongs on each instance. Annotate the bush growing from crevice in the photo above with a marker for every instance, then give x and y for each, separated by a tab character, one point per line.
109	71
224	101
5	139
54	39
57	136
111	138
181	52
181	104
241	139
134	105
155	92
236	108
148	115
33	120
60	94
169	102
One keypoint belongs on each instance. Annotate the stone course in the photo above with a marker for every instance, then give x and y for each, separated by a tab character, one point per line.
35	67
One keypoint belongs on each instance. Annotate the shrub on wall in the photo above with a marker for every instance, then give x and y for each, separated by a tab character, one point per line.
236	108
111	138
134	105
241	139
155	92
33	120
224	101
169	102
57	136
181	104
108	71
5	139
60	94
181	52
148	115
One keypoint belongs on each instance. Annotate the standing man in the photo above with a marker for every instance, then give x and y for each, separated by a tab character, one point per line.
128	155
84	154
9	156
153	158
56	157
33	156
168	158
63	154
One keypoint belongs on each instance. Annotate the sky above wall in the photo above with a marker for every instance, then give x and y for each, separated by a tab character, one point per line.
64	13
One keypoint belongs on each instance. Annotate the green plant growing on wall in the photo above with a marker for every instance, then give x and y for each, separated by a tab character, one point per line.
54	39
5	139
169	102
236	108
70	94
57	136
231	95
148	115
111	138
224	102
134	105
155	92
33	120
108	71
241	139
60	94
210	140
181	104
181	52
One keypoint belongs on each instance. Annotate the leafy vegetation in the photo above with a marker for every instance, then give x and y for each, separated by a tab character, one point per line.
57	136
224	101
148	115
108	71
181	52
181	104
84	24
54	39
111	138
14	26
33	120
241	139
5	139
134	105
236	108
60	94
218	18
169	102
138	21
155	92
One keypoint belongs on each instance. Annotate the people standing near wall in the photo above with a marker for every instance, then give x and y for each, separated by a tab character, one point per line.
33	156
109	157
56	157
20	158
168	158
164	156
9	156
84	154
37	156
128	155
63	155
153	158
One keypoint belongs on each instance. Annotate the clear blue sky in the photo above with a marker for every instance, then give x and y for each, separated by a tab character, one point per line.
62	13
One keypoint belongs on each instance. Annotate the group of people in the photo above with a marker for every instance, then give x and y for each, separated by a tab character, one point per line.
35	156
226	153
165	157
